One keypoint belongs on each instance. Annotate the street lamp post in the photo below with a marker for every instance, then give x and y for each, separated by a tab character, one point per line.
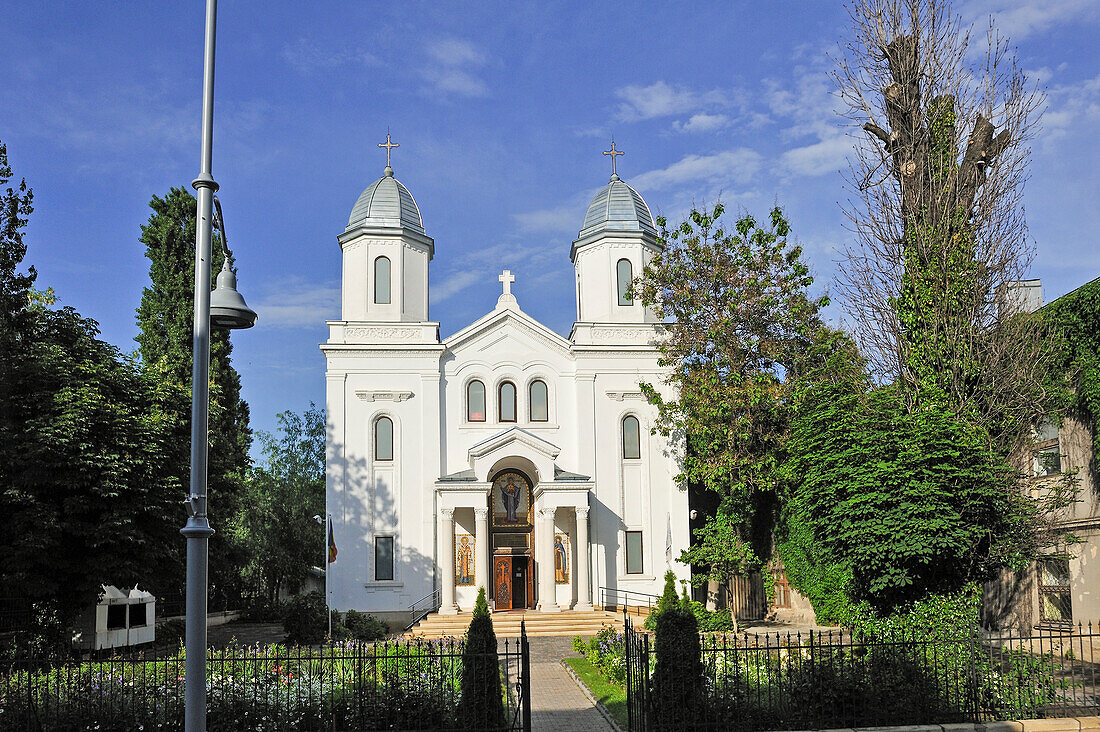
324	522
230	312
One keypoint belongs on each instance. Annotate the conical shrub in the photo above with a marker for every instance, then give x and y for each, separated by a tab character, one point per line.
481	704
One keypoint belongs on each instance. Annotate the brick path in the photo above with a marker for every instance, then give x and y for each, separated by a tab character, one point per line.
557	703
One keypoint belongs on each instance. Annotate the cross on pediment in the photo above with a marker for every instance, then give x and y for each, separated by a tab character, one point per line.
507	278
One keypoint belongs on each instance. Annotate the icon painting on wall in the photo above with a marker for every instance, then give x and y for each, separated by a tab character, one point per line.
561	559
464	560
511	500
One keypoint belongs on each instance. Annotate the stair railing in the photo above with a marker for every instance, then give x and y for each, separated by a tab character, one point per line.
615	597
423	607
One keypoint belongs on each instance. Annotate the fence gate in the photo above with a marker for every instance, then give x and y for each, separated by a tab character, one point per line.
637	678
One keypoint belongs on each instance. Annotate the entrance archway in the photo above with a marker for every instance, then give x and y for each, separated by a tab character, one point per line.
511	526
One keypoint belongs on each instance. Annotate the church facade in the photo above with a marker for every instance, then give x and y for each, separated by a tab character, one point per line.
505	456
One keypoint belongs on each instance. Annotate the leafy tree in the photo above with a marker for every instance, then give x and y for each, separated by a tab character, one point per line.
909	503
481	705
84	495
1074	320
166	320
937	212
280	495
741	324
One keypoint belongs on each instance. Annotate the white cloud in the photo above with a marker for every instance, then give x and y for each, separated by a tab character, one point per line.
702	122
735	166
559	219
308	56
663	100
299	304
1018	19
453	69
825	156
452	285
1070	105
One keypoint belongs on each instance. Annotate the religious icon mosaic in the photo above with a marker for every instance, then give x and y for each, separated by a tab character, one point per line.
511	501
561	559
464	560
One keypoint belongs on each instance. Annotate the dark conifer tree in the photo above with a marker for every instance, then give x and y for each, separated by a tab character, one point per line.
481	705
166	320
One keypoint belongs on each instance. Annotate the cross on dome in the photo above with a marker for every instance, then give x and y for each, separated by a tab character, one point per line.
613	152
507	278
389	145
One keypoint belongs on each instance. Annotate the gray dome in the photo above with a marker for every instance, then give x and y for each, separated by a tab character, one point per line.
617	207
386	202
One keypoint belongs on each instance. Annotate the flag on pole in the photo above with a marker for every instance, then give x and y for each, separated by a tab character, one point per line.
668	541
331	544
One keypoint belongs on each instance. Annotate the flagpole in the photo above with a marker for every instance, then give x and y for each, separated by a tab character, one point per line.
328	538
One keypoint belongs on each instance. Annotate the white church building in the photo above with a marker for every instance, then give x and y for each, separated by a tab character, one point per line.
505	456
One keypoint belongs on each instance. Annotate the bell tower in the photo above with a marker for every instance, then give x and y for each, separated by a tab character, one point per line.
386	254
616	240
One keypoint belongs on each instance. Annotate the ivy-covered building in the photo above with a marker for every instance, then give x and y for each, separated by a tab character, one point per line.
1063	588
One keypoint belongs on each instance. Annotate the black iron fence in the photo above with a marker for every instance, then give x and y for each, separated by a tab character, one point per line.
818	680
414	685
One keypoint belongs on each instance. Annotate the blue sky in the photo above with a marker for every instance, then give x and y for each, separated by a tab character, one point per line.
501	111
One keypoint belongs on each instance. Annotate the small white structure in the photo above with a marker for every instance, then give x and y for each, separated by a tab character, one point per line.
120	619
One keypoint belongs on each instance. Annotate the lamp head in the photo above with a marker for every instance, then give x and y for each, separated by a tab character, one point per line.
227	307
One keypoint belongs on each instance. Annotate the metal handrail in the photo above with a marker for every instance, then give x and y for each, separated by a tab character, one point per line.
615	592
415	615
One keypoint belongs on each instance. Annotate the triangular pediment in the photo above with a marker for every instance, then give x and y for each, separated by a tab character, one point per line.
508	439
503	325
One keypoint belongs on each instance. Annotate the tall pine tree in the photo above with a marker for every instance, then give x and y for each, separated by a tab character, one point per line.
166	318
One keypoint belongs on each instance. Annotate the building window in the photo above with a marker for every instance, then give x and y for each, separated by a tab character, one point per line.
1047	458
138	615
475	402
383	558
382	281
116	617
540	402
633	552
1054	597
632	438
624	275
383	439
506	402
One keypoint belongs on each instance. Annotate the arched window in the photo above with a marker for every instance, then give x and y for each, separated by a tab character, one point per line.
475	402
632	438
383	439
540	401
624	275
382	281
506	402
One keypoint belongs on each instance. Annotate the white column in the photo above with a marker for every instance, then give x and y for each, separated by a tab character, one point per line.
447	560
580	554
547	589
482	553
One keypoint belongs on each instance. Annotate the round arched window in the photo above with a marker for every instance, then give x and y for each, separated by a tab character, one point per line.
383	439
475	402
539	398
506	402
632	438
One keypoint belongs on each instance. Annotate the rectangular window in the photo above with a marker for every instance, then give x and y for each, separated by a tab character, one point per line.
116	617
138	615
383	558
633	552
1054	591
1047	458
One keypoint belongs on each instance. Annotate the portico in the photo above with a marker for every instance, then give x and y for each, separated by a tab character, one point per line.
524	527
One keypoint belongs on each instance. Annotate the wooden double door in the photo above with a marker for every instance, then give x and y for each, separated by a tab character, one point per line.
513	582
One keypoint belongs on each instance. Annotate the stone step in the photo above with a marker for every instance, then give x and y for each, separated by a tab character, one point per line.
508	624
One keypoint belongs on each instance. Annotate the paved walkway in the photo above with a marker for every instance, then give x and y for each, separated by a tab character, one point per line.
557	703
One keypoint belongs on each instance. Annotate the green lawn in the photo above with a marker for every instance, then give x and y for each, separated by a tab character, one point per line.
608	693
